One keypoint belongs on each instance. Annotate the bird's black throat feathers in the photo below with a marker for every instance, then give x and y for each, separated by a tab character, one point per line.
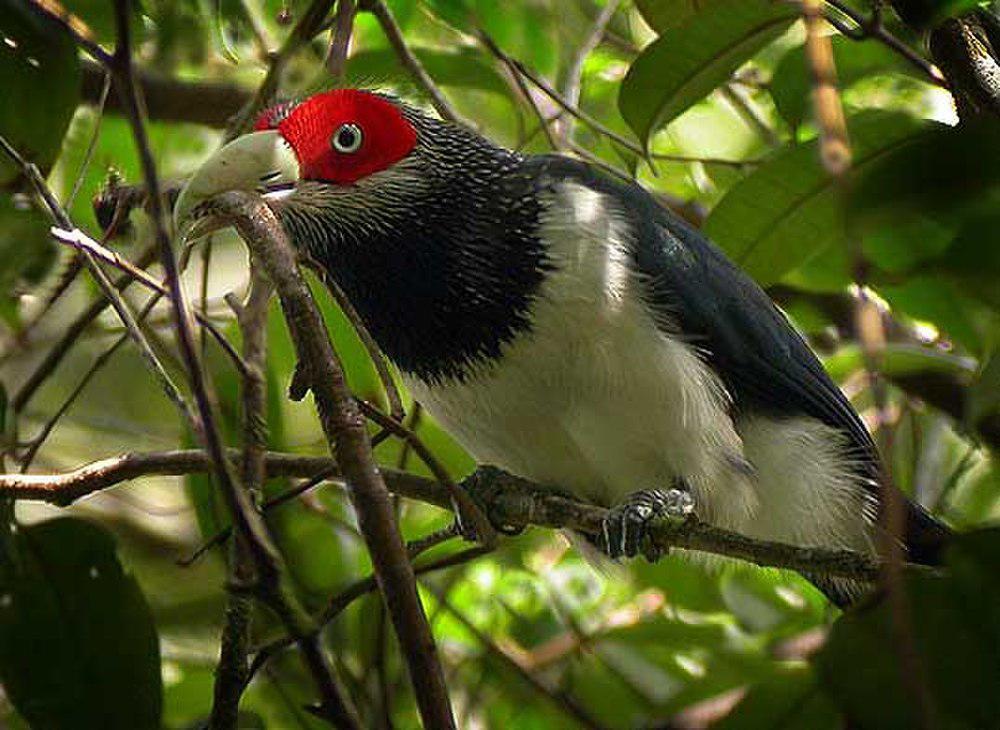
443	270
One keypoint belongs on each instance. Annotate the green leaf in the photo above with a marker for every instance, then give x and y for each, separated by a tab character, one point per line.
78	648
791	85
687	62
40	78
662	15
956	631
789	210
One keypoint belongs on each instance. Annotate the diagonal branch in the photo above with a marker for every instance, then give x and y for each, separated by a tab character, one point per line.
394	35
344	427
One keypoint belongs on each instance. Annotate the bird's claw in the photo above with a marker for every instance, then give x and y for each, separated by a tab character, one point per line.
626	525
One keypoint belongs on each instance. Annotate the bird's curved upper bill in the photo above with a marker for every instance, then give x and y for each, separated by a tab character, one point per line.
260	161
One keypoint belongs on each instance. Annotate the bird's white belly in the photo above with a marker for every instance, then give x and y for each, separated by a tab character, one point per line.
601	407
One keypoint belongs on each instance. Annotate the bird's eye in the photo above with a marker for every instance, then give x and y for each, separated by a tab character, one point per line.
347	138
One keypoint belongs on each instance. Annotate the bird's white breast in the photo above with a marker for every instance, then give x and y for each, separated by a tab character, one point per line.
595	398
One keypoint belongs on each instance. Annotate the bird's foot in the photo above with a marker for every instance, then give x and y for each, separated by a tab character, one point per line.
625	528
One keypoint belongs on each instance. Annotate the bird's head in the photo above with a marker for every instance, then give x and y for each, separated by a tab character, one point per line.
428	227
346	140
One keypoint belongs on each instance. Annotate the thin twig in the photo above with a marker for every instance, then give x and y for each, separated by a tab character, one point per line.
412	64
37	441
556	696
547	89
258	30
749	114
88	155
555	143
74	27
574	72
231	672
82	242
309	24
395	400
874	28
338	603
471	518
728	162
223	534
73	332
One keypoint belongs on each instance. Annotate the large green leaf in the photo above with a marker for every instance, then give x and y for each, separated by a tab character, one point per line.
955	630
946	172
790	700
40	78
687	62
791	85
790	209
78	648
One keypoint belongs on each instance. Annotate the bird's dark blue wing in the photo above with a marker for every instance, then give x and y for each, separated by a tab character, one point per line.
692	288
763	361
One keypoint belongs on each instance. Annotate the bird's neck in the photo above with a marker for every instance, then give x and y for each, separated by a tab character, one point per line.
443	280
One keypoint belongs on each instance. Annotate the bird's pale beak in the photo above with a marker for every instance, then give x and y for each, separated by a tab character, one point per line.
260	161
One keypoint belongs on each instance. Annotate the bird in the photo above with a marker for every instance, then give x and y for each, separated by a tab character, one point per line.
565	327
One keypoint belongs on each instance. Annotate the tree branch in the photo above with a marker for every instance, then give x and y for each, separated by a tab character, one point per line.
506	499
210	103
344	427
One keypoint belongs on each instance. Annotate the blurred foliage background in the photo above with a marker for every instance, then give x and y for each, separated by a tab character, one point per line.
705	103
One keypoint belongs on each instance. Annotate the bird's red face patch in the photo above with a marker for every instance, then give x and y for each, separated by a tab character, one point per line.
343	135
